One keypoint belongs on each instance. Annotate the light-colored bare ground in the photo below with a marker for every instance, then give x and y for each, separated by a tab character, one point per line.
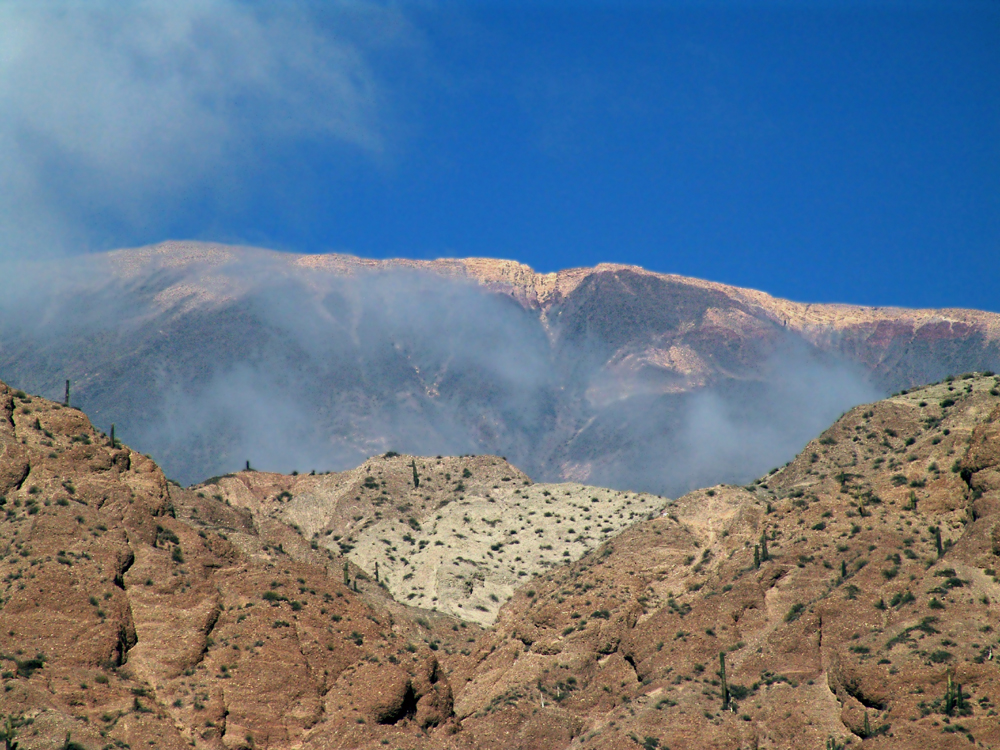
461	542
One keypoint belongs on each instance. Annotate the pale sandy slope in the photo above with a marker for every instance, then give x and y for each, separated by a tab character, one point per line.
460	543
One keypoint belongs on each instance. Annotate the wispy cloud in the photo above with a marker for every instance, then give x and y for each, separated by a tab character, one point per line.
115	111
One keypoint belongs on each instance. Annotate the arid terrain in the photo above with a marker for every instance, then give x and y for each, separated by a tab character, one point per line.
209	355
459	539
852	593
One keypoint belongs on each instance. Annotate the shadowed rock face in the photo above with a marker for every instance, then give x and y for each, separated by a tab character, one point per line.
209	355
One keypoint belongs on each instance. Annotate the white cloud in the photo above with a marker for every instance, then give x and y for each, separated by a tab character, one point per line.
111	111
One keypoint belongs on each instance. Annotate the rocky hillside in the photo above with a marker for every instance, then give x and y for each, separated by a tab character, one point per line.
209	355
852	595
455	535
846	599
135	614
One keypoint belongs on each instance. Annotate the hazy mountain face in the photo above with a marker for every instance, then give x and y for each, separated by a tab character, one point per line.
623	378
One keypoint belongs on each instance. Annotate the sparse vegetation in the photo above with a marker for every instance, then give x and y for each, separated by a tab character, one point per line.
810	531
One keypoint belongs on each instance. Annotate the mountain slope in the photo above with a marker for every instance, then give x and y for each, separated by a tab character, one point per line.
879	588
458	540
126	625
209	355
138	612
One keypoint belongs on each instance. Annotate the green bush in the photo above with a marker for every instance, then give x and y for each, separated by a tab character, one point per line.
795	612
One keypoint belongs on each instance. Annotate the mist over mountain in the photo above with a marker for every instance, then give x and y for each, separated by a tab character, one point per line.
207	356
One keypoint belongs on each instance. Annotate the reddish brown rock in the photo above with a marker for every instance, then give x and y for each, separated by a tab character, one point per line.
136	611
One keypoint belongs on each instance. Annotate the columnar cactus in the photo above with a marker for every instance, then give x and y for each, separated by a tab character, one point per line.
725	684
953	697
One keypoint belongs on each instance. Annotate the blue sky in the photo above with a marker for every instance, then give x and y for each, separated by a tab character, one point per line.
819	151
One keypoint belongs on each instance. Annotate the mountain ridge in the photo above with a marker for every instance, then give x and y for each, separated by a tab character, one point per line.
208	355
545	289
842	327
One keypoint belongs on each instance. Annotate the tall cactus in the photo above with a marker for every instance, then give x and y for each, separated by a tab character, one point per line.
416	477
725	684
954	699
8	731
